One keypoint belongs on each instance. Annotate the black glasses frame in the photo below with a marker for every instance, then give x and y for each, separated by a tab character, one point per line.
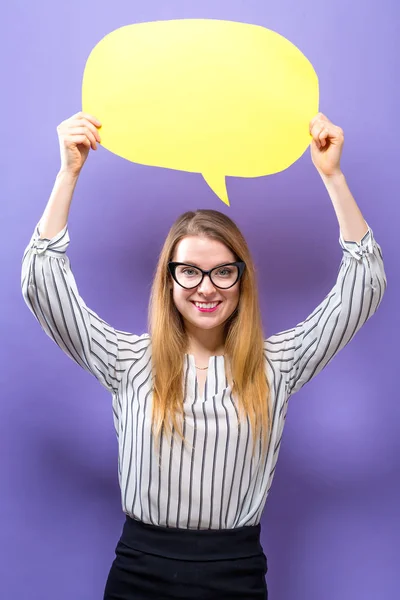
173	265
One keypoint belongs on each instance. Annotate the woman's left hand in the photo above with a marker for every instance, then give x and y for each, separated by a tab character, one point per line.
326	145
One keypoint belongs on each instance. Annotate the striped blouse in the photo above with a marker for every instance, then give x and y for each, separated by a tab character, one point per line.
213	480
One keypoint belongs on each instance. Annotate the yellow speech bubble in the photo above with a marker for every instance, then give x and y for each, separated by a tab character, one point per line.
205	96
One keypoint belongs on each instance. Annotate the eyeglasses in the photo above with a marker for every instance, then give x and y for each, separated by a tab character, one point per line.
224	276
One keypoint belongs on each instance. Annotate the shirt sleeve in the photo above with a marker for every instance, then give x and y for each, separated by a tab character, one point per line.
50	291
302	352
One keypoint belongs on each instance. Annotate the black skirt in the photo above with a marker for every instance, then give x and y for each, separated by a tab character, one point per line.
167	563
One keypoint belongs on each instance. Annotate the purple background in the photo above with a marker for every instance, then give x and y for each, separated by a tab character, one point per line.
331	526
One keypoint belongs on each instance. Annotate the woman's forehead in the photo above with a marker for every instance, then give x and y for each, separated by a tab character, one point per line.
202	251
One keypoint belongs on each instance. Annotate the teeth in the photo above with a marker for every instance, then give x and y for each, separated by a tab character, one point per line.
204	305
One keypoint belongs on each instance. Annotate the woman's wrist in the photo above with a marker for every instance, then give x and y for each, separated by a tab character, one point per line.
67	176
334	179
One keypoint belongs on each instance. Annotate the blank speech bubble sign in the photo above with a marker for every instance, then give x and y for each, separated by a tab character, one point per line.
219	98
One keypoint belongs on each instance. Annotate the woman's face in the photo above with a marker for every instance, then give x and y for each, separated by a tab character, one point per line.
205	253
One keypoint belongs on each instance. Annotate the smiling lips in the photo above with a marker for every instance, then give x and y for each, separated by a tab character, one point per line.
206	306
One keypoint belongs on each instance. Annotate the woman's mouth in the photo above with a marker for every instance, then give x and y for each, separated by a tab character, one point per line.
207	306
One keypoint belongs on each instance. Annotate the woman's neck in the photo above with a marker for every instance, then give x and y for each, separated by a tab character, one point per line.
199	350
205	343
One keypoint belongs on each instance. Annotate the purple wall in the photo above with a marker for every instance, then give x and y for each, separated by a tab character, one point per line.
331	526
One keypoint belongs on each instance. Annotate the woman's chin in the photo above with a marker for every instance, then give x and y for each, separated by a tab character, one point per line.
203	323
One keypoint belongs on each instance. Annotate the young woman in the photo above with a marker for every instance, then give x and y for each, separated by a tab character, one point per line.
199	404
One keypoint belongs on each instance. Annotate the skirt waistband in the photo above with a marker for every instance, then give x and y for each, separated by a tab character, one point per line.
192	544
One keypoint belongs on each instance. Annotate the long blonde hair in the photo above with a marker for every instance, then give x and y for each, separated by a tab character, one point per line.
244	339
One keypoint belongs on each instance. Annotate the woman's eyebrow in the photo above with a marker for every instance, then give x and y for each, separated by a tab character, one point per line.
194	264
189	262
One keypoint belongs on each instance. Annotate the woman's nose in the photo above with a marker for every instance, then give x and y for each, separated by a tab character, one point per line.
206	286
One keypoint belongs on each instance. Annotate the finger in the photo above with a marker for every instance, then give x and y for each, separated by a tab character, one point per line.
323	137
323	117
339	133
315	133
327	131
82	117
319	117
313	122
86	123
72	124
91	118
319	125
79	140
84	131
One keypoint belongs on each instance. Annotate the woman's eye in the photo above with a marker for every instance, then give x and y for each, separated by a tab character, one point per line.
189	272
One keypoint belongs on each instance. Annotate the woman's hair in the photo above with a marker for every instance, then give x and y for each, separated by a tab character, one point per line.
244	339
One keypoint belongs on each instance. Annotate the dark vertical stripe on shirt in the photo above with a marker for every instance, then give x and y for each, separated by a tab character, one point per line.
203	457
225	459
169	475
215	446
243	470
192	455
82	355
159	474
239	431
135	440
149	393
129	405
182	449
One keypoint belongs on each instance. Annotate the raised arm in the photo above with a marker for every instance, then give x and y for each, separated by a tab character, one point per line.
303	351
326	151
48	285
76	136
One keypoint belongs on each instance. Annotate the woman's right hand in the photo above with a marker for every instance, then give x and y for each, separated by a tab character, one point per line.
77	135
